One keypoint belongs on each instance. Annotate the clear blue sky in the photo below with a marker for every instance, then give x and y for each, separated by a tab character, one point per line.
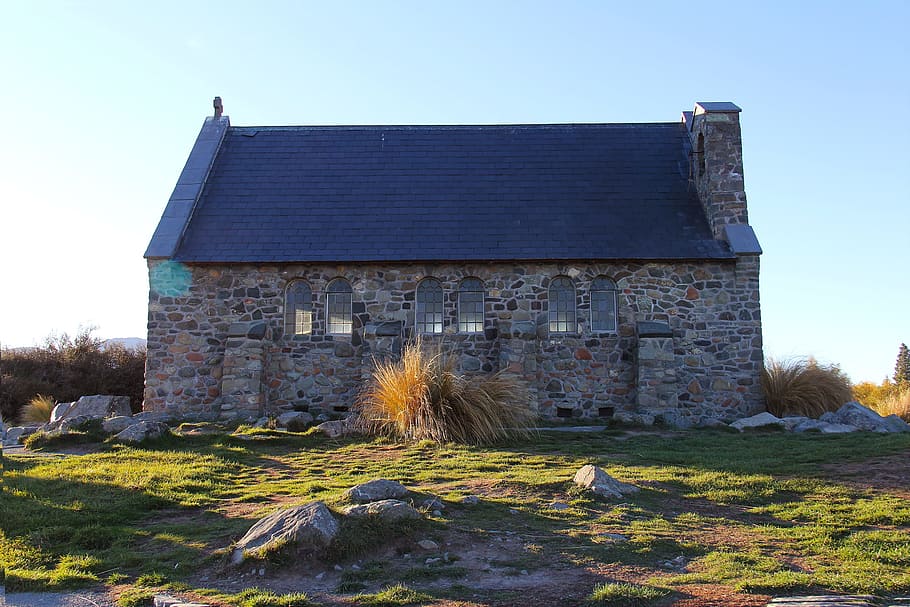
102	101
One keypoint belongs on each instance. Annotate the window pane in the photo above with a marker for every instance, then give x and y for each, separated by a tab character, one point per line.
339	319
470	306
428	313
603	304
562	305
298	308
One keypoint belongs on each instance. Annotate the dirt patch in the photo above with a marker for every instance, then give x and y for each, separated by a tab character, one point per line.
890	474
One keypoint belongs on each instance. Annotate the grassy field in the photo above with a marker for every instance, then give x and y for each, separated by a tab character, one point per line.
723	515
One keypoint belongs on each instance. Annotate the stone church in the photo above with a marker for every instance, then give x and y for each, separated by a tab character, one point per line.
610	266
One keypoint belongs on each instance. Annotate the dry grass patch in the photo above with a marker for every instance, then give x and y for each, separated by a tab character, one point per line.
423	397
38	410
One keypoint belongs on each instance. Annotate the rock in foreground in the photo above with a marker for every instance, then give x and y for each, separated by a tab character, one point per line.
378	489
601	483
385	510
306	529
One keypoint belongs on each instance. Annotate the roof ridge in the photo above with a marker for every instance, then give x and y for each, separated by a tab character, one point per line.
553	125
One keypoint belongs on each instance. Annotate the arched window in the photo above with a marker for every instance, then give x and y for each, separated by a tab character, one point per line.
470	306
562	305
298	308
429	306
338	300
603	304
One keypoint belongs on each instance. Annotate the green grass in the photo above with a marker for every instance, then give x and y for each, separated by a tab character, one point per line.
392	596
755	513
627	595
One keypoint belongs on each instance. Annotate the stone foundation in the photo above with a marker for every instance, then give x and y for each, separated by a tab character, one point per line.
202	363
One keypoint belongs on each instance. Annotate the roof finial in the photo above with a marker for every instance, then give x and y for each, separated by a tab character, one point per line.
219	109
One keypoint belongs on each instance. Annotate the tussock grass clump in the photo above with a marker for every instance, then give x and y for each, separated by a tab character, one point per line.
38	409
393	596
803	387
423	397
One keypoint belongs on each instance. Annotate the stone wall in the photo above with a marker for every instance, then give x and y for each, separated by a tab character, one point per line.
711	308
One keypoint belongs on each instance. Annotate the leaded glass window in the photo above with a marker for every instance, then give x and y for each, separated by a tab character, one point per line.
298	309
338	300
470	306
562	305
429	306
603	304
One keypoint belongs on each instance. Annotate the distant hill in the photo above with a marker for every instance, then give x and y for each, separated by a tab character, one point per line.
130	343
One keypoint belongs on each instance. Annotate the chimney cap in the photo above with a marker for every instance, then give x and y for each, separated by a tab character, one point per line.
219	109
703	107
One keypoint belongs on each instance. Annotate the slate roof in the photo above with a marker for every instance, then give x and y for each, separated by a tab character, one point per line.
454	193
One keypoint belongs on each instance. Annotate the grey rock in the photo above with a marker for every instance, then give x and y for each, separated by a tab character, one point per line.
374	490
855	414
156	416
141	431
791	423
559	506
116	425
615	537
295	420
433	503
712	422
17	434
385	510
262	422
837	428
634	419
333	429
470	500
70	423
428	545
308	528
601	483
59	411
99	406
762	420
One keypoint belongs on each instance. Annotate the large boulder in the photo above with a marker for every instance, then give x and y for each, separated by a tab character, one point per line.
375	490
59	411
855	414
762	420
602	484
306	529
99	406
141	431
17	434
385	510
336	428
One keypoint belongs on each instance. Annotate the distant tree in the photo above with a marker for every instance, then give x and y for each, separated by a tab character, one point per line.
902	367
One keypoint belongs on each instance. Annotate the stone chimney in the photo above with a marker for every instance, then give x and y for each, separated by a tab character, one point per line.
219	109
717	164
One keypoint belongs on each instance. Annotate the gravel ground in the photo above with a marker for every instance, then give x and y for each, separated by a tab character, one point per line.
56	599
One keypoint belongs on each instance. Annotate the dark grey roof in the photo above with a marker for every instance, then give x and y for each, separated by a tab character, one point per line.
424	193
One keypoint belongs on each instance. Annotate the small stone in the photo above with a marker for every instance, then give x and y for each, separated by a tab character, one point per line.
616	537
559	506
319	576
355	567
261	571
524	572
428	545
513	511
339	568
432	561
470	500
761	420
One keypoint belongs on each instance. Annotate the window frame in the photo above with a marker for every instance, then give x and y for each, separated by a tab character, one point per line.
603	287
296	300
432	321
463	318
339	298
560	303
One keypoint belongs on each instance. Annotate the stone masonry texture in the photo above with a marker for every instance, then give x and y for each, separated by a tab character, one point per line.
217	345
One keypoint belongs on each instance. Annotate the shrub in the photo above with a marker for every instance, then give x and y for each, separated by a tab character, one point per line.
803	387
897	402
66	368
422	397
38	409
871	394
